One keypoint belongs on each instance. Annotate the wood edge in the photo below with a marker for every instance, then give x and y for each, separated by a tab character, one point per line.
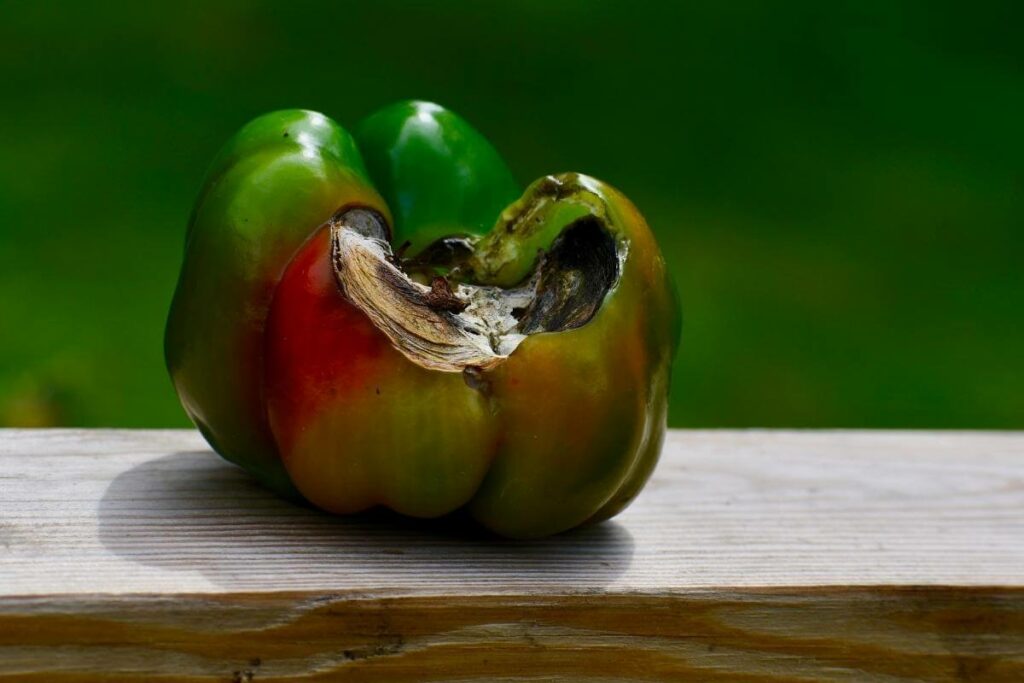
747	591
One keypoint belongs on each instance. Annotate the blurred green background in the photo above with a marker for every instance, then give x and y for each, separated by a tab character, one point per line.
838	187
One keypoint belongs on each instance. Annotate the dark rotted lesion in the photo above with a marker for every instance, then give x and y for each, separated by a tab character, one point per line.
575	274
442	298
448	320
444	254
569	281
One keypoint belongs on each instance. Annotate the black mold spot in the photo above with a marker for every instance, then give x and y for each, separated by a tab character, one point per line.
475	378
575	275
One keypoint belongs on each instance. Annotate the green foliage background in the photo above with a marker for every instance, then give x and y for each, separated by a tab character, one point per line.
838	186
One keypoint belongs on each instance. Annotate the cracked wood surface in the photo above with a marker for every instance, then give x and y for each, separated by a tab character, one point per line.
751	556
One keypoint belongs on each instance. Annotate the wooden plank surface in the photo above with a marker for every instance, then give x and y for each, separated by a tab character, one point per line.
847	556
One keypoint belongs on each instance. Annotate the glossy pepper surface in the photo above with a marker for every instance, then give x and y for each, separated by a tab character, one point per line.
387	319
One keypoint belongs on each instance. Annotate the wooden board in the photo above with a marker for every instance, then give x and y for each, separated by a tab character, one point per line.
751	556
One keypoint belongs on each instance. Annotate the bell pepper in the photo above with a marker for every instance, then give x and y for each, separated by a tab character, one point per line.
385	319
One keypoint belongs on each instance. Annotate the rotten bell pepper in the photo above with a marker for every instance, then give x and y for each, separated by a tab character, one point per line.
384	319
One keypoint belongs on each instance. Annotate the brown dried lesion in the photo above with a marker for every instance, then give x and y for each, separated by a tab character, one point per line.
454	326
431	326
442	298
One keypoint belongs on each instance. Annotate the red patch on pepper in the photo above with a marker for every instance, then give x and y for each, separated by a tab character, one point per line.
317	344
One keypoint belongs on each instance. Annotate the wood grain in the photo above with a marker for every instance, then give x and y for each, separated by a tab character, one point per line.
752	556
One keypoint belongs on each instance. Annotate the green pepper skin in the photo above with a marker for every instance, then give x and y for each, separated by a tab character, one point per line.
583	410
439	176
273	184
286	377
